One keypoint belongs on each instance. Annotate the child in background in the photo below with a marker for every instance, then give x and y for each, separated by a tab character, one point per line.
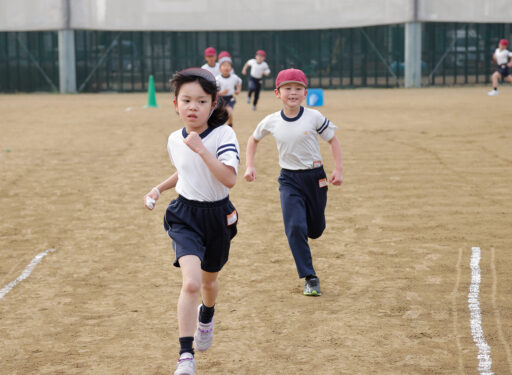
210	55
201	221
229	85
501	56
259	68
303	182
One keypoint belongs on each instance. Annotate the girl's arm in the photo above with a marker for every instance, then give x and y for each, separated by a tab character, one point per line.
167	184
337	174
222	172
238	88
250	171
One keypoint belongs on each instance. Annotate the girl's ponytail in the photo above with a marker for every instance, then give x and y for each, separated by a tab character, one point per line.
219	116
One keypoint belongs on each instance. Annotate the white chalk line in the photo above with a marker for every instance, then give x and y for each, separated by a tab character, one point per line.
497	314
26	272
455	314
484	350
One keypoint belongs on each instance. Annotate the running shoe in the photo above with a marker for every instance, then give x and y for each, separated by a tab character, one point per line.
312	287
493	93
248	100
186	365
203	337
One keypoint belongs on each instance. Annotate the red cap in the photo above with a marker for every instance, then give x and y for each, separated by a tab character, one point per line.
224	54
504	42
261	52
210	51
291	76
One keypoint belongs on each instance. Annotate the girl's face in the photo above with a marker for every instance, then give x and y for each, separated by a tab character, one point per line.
225	68
194	106
292	94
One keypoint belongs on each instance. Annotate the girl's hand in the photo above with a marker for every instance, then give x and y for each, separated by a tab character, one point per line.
336	178
250	174
194	142
151	198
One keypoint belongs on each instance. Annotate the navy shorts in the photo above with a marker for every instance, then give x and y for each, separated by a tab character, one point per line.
228	100
203	229
503	70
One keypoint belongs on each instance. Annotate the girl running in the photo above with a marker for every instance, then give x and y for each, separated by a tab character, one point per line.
501	56
229	85
201	221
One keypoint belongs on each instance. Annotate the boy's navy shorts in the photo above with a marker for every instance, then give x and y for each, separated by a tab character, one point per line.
503	70
203	229
229	100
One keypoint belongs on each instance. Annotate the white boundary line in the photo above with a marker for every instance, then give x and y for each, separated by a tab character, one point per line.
484	350
26	272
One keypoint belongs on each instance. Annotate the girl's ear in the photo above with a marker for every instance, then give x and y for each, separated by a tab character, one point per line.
175	104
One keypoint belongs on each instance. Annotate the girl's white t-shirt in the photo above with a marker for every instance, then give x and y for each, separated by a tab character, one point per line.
228	83
195	180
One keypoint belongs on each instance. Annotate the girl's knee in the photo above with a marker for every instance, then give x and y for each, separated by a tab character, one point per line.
191	286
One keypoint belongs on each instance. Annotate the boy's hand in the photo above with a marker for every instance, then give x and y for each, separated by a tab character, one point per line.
336	178
250	174
237	91
194	142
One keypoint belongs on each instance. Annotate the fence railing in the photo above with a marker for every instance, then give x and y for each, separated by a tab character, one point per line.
452	53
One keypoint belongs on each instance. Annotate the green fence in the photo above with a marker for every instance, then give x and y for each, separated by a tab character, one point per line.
453	53
29	61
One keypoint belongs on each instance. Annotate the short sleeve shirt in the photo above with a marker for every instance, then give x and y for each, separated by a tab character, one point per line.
297	138
257	70
212	69
228	83
195	180
502	56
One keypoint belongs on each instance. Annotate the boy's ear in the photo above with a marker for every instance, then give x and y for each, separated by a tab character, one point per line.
278	94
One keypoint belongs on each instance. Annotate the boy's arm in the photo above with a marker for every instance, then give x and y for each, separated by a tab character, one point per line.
244	69
238	88
250	171
337	175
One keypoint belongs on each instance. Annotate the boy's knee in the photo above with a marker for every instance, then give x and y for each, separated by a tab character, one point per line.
209	285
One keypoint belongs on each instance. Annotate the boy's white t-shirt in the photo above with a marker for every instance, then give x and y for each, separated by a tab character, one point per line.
195	180
257	70
502	56
297	138
228	83
215	70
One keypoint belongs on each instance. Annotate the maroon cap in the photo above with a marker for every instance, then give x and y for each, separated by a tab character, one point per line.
224	54
291	76
504	42
261	52
199	72
210	51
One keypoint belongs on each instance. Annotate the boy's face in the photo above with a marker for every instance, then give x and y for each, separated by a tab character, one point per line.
225	68
210	59
260	59
502	46
291	94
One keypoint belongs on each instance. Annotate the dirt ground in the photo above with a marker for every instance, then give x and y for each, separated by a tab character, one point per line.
427	176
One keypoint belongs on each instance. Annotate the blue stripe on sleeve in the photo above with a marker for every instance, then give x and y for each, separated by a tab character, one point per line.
324	126
226	145
226	150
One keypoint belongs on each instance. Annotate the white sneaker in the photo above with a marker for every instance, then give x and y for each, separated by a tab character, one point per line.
493	93
186	365
203	337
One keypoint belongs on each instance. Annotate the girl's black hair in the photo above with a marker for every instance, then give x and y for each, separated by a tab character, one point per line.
220	114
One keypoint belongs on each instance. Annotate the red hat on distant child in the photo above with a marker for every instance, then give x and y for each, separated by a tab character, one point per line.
504	42
224	54
261	52
291	76
210	51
